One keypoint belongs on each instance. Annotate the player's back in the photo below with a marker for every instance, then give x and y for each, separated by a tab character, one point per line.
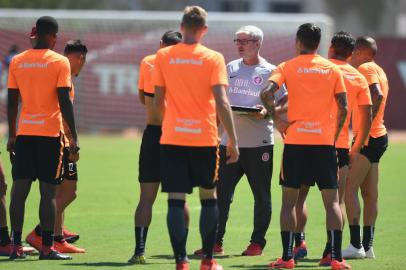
312	82
37	73
188	73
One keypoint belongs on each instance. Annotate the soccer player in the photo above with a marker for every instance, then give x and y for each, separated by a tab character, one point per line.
43	80
340	51
247	77
191	79
314	86
76	52
149	159
364	173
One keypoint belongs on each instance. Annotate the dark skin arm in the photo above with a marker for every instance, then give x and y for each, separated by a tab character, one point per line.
377	97
268	99
141	96
66	107
12	111
341	100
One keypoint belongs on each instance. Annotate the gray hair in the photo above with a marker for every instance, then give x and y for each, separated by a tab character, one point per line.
251	30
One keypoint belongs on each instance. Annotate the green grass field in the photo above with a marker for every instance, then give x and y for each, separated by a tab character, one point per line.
108	194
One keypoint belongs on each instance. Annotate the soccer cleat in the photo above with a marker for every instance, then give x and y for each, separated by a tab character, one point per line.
253	249
54	255
370	254
217	250
17	253
354	253
34	240
300	252
70	237
210	264
325	261
65	247
137	259
337	265
281	264
183	265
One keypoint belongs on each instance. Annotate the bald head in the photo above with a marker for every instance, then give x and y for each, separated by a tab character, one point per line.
366	44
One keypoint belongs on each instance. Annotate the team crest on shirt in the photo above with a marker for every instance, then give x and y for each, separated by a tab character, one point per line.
257	79
265	156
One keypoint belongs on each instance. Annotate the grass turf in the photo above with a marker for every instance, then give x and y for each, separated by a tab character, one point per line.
108	194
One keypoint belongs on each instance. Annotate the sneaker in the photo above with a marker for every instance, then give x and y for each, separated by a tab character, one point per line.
217	250
354	253
70	237
34	240
325	261
370	254
54	255
281	264
137	259
210	264
183	265
300	252
65	247
253	249
337	265
17	253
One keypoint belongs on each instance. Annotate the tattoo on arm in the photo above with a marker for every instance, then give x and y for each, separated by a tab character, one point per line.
268	99
377	97
341	100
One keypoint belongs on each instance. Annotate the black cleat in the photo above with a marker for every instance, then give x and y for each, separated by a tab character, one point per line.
54	255
72	239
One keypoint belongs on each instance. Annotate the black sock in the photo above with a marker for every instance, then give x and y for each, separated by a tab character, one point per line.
368	237
355	236
287	243
209	216
327	248
299	238
336	240
38	230
177	228
140	240
16	238
47	238
4	237
59	238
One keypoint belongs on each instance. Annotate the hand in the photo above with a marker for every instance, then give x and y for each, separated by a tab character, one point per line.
258	115
232	153
73	150
11	144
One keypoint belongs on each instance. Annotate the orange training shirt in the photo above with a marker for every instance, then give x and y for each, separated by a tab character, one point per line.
145	74
188	73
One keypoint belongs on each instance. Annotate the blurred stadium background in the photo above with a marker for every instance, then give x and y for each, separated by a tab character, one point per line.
120	33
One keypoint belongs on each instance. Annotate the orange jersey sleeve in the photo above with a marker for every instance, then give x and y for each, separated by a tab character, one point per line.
145	75
64	75
219	71
277	75
369	73
12	82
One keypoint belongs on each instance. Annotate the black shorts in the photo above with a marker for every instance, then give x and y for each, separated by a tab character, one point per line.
186	167
343	157
70	169
309	164
38	157
375	149
149	159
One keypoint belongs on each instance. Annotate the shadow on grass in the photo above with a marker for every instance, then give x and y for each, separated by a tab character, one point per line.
104	264
191	257
264	266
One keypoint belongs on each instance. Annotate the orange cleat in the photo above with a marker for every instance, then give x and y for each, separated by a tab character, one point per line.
217	250
325	261
300	252
70	237
65	247
183	265
253	249
281	264
337	265
210	264
34	240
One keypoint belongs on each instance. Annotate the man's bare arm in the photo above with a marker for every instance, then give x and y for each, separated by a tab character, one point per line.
66	107
268	99
282	106
12	111
141	96
377	97
364	127
341	100
159	99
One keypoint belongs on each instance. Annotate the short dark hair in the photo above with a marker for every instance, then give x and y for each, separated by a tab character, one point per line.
343	44
366	43
171	38
46	25
194	17
309	35
75	46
